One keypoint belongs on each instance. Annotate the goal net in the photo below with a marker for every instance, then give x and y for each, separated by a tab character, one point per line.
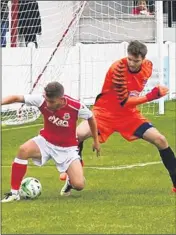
73	42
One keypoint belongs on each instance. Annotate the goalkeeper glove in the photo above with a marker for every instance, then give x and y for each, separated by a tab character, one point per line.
156	93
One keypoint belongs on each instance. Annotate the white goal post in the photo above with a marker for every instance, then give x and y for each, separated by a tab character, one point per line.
159	41
76	43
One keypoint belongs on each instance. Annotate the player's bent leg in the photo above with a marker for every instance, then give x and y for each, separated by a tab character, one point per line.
75	179
63	175
19	168
83	132
153	136
167	155
76	176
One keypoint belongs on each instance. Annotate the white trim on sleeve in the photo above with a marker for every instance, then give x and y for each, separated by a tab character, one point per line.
84	112
34	100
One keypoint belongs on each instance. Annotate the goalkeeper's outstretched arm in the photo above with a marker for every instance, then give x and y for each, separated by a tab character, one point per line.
12	99
154	94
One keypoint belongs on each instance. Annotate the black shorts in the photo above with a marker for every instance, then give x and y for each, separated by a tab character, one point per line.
142	129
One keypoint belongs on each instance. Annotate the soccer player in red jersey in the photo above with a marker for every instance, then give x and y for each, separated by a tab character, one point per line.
57	140
115	108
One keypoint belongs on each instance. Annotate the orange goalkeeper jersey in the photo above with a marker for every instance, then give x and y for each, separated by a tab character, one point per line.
119	85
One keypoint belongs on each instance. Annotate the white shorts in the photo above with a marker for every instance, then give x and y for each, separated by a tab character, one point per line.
62	156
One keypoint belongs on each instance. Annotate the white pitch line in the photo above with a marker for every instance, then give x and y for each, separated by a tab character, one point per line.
124	166
110	167
20	127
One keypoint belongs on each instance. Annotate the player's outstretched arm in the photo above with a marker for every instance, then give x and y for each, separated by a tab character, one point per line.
94	131
119	80
155	93
12	99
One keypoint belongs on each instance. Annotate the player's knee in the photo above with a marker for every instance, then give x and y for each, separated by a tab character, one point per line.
79	185
23	152
161	142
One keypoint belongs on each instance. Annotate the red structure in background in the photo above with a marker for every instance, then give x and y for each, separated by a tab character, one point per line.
14	23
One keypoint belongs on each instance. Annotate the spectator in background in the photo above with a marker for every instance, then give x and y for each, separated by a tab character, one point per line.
151	7
29	21
141	9
4	21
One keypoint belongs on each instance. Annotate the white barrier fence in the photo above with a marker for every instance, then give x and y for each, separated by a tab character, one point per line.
82	74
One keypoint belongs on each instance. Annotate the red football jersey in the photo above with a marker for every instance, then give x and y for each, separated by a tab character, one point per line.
60	125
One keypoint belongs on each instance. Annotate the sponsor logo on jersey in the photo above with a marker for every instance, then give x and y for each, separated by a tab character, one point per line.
58	122
66	116
134	93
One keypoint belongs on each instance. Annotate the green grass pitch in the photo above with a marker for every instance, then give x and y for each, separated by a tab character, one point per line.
134	200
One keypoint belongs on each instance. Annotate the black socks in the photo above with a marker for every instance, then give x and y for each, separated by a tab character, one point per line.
169	161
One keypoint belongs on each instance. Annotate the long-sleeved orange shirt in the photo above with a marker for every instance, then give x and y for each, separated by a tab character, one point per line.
120	85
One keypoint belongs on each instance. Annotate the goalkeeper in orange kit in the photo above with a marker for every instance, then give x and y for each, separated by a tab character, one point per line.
115	108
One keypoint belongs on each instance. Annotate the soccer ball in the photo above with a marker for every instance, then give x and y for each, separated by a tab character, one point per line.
30	188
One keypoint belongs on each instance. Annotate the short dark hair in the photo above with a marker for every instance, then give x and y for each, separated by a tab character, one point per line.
137	48
54	90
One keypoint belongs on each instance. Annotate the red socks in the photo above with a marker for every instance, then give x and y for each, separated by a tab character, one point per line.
18	171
